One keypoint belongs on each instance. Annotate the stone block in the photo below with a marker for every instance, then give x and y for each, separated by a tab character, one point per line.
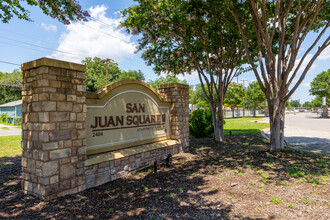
48	106
71	98
102	178
43	116
65	184
36	107
67	125
77	107
57	97
50	168
64	106
48	126
61	153
43	97
53	179
60	135
43	83
81	88
67	171
55	84
48	190
73	116
59	116
81	99
81	117
66	85
50	146
43	136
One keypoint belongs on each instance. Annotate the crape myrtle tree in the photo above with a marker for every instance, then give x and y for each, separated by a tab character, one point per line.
62	10
320	86
179	37
254	95
234	97
280	27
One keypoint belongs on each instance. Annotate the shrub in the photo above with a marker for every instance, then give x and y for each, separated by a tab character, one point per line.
4	117
200	123
17	121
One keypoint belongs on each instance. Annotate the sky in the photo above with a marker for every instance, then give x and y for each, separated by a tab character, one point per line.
22	41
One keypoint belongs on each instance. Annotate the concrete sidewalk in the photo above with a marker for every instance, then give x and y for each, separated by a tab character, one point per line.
306	131
6	130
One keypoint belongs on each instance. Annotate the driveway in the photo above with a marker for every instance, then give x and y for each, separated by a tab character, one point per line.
6	130
307	131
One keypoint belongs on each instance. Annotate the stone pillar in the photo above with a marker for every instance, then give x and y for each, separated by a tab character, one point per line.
53	128
324	113
178	94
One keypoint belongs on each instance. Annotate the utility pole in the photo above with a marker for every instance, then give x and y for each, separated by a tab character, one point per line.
107	61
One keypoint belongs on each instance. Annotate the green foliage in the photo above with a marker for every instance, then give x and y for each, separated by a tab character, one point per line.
96	73
130	74
10	86
200	123
4	117
165	80
198	98
234	96
276	201
295	103
62	10
320	86
317	102
254	95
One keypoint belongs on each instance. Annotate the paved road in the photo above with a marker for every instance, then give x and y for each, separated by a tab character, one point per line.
307	131
9	130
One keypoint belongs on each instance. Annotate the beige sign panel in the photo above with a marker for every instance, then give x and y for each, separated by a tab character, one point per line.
127	115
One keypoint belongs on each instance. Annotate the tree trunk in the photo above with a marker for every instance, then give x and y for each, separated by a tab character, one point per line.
254	110
276	116
233	111
217	125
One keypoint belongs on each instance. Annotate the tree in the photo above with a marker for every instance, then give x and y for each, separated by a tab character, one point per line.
254	95
317	102
179	37
198	98
320	86
308	104
295	103
96	73
130	74
165	80
234	96
62	10
10	86
280	27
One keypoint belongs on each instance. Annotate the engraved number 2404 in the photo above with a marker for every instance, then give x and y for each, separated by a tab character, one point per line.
98	133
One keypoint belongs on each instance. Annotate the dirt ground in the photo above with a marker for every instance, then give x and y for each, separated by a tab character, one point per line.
238	179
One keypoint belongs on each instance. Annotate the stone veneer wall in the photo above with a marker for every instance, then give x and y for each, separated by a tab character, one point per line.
178	94
101	173
53	128
54	131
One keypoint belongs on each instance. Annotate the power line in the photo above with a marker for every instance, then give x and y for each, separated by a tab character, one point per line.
106	33
1	61
35	45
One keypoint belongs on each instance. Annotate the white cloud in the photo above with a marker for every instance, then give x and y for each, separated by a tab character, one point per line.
49	27
99	37
325	55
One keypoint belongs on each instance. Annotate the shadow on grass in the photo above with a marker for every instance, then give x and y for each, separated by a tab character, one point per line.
242	131
179	192
173	193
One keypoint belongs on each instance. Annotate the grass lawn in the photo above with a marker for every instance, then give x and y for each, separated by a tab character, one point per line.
10	146
244	126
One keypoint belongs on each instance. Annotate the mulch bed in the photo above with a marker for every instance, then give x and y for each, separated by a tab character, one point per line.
237	179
